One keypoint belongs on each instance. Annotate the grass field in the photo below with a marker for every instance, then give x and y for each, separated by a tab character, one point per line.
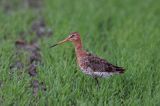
126	33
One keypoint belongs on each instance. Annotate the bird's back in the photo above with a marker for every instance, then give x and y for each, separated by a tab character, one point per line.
95	66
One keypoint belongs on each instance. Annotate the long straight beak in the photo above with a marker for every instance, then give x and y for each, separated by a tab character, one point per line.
65	40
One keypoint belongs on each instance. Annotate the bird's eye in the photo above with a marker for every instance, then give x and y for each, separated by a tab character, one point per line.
72	36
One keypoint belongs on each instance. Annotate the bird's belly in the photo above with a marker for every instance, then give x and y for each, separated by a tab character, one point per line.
87	71
90	72
102	74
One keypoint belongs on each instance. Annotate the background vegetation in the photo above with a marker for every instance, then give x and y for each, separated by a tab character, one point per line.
126	33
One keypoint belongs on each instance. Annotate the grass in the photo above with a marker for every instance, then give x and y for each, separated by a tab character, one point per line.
126	33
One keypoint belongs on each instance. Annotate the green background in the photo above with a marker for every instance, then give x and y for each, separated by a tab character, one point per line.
124	32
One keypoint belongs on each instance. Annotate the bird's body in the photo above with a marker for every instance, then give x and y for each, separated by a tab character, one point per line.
97	67
93	65
89	63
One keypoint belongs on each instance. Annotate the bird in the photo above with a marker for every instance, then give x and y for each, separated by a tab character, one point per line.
89	63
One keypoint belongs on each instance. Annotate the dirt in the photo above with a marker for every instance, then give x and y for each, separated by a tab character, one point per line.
38	86
38	30
33	3
30	47
32	71
10	6
35	85
35	57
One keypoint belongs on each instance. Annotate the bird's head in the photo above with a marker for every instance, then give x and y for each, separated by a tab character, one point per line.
73	37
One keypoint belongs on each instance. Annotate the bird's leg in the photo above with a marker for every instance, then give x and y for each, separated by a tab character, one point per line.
97	82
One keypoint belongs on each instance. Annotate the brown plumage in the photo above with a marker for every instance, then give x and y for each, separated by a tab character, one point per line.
99	66
89	63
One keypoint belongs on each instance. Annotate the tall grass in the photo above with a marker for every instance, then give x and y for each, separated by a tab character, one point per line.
125	33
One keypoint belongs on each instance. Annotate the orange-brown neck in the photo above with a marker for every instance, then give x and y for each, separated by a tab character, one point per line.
79	48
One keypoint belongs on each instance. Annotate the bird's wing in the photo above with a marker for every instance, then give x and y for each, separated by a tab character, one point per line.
100	65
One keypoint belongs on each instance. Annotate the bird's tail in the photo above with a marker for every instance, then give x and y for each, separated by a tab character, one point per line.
120	70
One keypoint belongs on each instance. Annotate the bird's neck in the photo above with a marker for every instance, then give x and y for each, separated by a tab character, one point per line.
79	48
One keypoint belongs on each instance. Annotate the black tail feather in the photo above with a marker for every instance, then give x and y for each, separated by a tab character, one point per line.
120	70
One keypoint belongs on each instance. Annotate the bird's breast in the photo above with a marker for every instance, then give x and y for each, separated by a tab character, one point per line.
82	62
